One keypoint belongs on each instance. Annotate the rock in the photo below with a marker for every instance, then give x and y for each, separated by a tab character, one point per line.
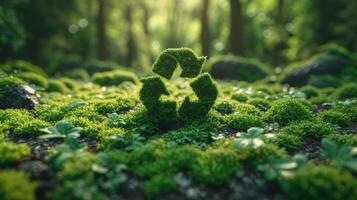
238	68
37	169
319	66
14	93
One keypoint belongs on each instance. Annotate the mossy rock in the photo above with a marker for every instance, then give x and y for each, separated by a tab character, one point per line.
316	66
238	68
34	79
14	93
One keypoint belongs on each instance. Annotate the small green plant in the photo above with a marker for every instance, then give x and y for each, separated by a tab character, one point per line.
253	138
282	169
62	129
341	157
334	117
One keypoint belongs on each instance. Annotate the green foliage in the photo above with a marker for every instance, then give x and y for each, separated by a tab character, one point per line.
334	117
11	152
345	139
57	86
62	129
113	106
215	166
261	104
348	91
159	184
168	60
254	138
341	157
34	79
288	141
242	122
70	83
206	91
252	157
310	91
282	168
287	111
308	129
16	185
77	74
113	78
322	182
21	122
240	97
18	66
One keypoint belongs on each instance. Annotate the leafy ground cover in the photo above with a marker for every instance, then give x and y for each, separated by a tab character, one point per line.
171	137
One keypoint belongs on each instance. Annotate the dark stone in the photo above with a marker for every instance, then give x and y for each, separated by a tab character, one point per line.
37	169
20	97
237	68
328	66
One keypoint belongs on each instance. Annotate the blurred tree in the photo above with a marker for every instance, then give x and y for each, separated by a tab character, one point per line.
101	30
130	41
236	31
12	37
205	32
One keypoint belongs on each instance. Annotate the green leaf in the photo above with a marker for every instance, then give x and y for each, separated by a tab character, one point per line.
51	136
330	148
77	104
254	132
351	165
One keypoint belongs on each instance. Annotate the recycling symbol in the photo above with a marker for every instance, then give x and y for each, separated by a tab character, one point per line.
162	110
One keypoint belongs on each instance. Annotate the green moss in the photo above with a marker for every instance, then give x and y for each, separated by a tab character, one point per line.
287	111
308	129
310	91
168	60
225	107
34	79
17	66
6	83
288	141
334	117
260	103
159	184
11	152
113	106
113	78
242	122
346	92
348	139
78	74
57	86
70	83
252	157
322	182
240	97
215	166
16	186
50	113
349	110
21	122
206	91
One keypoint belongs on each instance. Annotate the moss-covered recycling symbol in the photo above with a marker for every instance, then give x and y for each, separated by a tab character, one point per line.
165	111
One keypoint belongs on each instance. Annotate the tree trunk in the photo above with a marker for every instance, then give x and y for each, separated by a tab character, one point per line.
236	32
130	45
205	33
101	30
279	26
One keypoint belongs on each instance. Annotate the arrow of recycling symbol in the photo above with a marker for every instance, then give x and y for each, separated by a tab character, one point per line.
205	89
